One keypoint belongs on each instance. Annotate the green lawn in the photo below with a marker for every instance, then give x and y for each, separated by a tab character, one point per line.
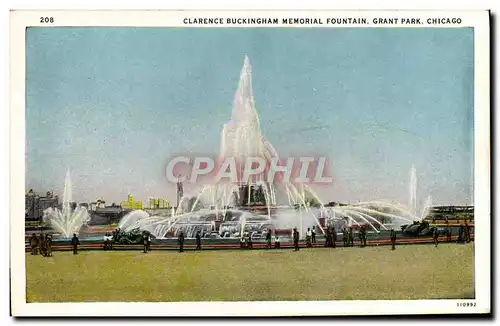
409	272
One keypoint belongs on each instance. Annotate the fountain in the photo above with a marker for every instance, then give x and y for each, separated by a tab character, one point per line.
131	219
69	220
426	208
250	206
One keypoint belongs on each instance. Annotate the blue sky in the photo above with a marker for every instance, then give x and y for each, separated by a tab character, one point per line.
113	105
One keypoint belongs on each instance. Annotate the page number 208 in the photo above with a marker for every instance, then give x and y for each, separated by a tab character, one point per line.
46	20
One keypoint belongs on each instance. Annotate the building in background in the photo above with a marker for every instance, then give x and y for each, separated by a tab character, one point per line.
451	213
100	214
158	203
131	203
34	204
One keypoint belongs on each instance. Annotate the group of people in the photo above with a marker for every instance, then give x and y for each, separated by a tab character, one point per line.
41	245
180	240
269	241
362	236
246	242
311	237
330	237
464	234
347	237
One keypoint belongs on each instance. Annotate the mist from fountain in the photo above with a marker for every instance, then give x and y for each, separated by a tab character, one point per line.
426	208
130	220
67	221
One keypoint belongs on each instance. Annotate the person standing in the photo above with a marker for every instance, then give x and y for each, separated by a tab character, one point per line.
242	242
467	232
33	244
362	236
296	239
198	241
308	238
460	234
435	236
145	242
49	245
42	245
344	236
181	241
268	239
351	238
277	242
333	237
249	242
313	235
327	237
75	243
393	239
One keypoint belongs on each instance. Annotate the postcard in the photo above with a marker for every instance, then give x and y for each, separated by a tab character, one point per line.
250	163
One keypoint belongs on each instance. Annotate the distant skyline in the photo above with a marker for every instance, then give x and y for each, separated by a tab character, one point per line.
114	104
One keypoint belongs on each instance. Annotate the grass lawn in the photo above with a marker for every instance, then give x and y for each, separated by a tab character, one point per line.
409	272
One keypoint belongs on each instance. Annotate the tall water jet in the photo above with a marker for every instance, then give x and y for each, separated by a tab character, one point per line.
241	137
67	194
67	221
413	191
